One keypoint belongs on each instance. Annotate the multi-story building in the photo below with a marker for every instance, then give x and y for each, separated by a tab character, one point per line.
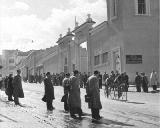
11	60
127	42
8	62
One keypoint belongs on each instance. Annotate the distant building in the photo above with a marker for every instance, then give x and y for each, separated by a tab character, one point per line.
127	42
10	61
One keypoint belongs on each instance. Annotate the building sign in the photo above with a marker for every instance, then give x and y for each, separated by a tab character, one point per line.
133	59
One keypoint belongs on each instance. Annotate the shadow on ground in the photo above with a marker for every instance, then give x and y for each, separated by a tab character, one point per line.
87	122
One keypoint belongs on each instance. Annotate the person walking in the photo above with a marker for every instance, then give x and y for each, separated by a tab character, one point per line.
126	81
65	84
10	88
93	92
144	82
49	91
74	95
100	80
154	80
17	88
138	82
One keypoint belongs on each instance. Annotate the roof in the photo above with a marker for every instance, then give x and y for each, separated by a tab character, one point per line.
23	53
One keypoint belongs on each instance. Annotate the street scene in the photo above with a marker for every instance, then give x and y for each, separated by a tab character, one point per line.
79	64
141	110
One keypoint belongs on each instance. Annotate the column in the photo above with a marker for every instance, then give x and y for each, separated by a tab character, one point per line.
77	54
69	58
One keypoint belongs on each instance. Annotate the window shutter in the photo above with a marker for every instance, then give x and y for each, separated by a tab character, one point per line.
148	7
136	6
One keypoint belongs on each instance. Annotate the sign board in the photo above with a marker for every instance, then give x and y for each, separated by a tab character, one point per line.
133	59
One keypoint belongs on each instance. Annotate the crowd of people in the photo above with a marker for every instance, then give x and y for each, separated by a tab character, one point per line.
71	97
72	84
13	87
141	81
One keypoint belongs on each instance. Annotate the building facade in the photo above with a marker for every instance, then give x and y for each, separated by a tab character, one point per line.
129	40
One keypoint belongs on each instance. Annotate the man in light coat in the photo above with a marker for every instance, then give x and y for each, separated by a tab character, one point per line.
93	92
65	84
74	95
154	80
17	88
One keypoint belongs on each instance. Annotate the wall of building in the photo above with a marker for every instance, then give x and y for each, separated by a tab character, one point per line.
106	39
51	65
141	37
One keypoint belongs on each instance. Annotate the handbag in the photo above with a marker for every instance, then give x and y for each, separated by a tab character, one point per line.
44	99
64	98
87	98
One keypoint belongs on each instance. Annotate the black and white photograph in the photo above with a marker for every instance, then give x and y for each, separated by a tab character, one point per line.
79	64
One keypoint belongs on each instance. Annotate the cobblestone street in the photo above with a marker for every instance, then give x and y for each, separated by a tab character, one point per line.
141	110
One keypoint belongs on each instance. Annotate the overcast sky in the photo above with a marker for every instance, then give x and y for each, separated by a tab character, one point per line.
22	21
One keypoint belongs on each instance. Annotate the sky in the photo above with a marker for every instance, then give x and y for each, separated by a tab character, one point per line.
37	24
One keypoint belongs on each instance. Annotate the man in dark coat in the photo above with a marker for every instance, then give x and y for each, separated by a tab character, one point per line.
74	96
65	84
100	81
85	77
10	88
93	92
144	82
6	82
138	82
49	91
17	88
126	81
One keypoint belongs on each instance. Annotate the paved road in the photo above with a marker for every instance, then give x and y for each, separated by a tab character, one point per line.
141	110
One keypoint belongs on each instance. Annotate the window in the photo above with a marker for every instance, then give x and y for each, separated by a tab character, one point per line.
104	57
11	60
97	60
113	8
142	7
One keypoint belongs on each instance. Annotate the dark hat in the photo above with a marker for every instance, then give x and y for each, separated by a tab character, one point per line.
48	73
96	72
75	72
67	74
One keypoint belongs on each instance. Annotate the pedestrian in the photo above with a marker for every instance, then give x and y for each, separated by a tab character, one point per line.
138	82
126	81
93	92
17	88
74	96
49	91
105	76
100	81
85	77
6	81
66	86
154	80
144	82
10	88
